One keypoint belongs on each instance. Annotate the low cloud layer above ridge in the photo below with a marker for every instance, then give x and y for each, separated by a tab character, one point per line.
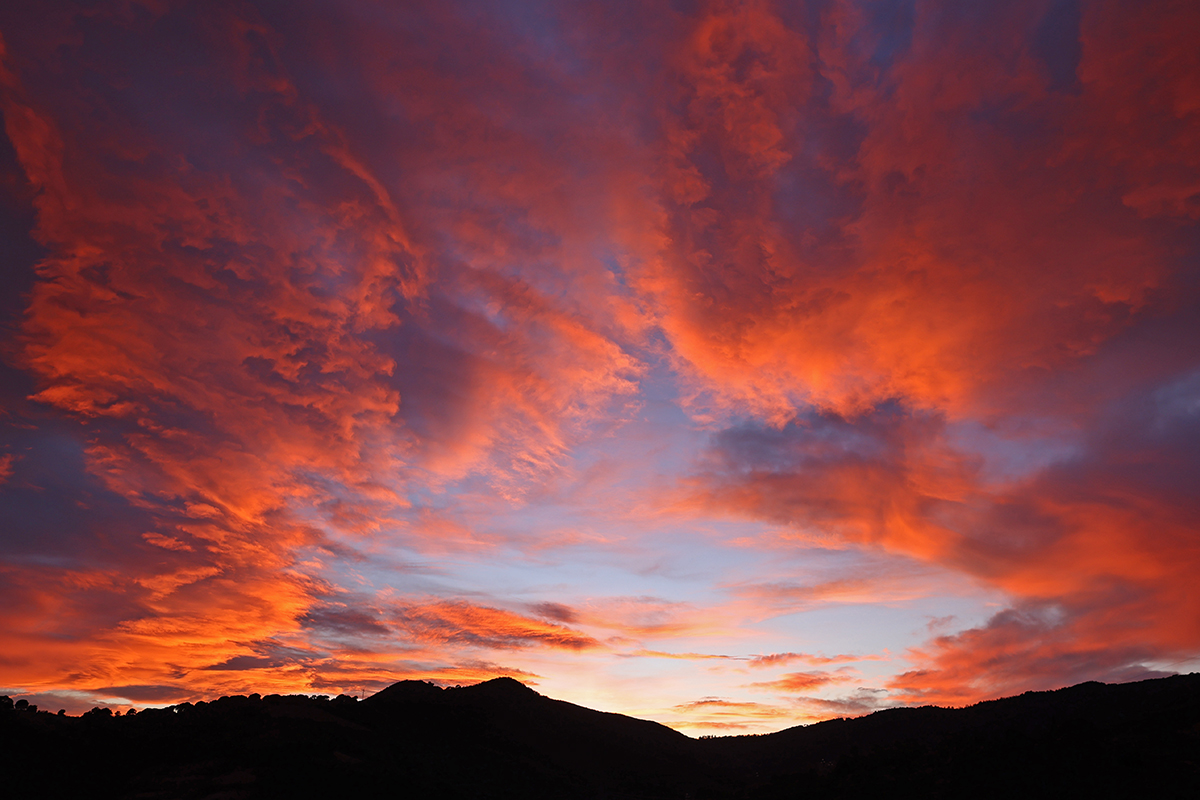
355	342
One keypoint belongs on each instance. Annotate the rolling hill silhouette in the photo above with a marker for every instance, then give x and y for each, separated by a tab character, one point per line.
501	739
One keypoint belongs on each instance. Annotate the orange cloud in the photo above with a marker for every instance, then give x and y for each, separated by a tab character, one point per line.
461	623
325	291
802	681
647	617
782	659
910	282
682	656
857	704
989	256
717	714
268	347
1019	649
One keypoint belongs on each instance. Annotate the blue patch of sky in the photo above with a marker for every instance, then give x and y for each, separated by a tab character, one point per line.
1056	44
891	22
1177	402
1018	450
51	463
871	628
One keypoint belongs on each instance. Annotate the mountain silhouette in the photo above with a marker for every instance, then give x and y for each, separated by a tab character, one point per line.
501	739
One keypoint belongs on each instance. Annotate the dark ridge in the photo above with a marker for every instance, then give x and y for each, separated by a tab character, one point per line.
501	739
406	692
502	689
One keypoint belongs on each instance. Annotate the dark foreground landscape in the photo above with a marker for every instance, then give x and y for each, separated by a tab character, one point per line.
501	739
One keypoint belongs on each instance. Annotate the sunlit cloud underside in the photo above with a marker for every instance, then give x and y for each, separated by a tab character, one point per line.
731	364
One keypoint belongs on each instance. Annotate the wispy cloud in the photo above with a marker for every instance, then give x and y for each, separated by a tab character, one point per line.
803	681
338	354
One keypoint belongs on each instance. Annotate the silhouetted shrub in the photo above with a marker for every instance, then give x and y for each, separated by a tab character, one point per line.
22	704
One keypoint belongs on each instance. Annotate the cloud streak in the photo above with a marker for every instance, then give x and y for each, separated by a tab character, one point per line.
363	341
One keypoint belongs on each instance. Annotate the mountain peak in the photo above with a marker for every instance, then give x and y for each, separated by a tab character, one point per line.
501	737
407	692
500	688
505	688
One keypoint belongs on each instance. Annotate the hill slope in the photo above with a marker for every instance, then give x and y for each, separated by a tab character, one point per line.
500	739
1098	740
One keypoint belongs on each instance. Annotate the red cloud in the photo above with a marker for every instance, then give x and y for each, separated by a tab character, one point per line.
995	251
323	268
1020	650
718	714
461	623
267	339
912	282
781	659
802	681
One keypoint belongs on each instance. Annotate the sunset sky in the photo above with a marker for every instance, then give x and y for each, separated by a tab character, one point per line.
734	365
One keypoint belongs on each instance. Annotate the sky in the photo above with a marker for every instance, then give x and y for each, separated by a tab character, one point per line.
735	365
